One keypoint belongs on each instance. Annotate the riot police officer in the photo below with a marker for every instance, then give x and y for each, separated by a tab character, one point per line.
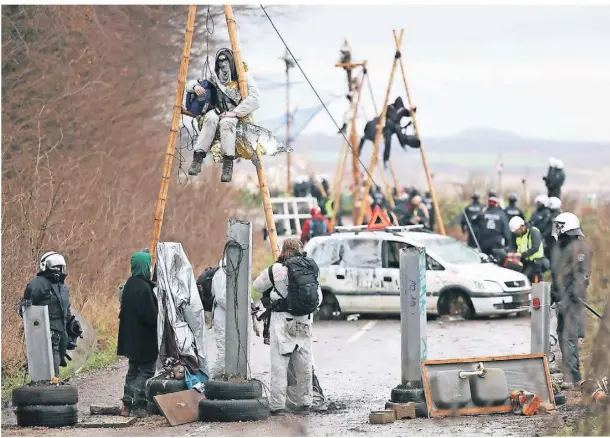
513	210
571	269
494	232
471	215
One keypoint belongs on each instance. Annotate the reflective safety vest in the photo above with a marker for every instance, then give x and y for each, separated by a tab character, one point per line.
328	207
524	243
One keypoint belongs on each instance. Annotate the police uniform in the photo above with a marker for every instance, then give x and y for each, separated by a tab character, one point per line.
513	211
571	267
494	231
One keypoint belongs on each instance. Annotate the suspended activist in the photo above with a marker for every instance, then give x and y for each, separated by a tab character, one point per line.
291	289
49	289
225	119
395	113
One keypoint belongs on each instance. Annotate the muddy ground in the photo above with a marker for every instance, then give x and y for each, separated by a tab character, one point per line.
358	363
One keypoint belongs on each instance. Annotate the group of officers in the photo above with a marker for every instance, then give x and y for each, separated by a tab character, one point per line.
550	240
504	233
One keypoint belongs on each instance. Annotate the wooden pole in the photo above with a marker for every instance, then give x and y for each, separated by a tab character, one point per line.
380	123
437	210
288	123
338	184
173	133
353	140
243	89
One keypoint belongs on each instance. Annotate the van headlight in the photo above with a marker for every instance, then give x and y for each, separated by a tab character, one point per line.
493	286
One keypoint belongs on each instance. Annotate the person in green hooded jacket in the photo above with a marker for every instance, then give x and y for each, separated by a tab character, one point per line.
138	334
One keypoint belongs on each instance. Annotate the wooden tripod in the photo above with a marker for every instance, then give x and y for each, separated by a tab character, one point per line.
437	210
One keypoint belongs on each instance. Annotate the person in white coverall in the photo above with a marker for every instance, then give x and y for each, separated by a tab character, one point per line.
219	319
290	337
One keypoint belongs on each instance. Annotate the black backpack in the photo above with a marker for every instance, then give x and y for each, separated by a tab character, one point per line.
303	286
204	286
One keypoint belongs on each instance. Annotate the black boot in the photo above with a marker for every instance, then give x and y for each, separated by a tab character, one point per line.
343	129
227	169
198	157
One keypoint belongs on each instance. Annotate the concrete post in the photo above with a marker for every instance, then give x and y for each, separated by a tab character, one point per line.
412	313
540	308
239	262
38	343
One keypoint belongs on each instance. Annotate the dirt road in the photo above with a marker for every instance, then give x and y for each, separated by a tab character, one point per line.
358	363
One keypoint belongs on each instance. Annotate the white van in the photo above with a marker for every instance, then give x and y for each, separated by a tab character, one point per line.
360	274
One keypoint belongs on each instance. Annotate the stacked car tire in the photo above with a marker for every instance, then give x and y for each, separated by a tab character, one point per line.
46	405
233	401
156	387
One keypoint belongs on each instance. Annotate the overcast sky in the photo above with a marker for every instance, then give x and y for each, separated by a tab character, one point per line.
538	71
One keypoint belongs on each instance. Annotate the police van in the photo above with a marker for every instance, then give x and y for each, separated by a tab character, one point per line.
359	273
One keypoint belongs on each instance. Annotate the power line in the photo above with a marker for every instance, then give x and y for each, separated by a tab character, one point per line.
319	98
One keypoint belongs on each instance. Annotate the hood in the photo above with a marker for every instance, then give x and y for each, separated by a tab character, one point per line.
140	264
490	272
229	54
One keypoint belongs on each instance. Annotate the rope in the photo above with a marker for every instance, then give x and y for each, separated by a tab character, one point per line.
319	98
368	80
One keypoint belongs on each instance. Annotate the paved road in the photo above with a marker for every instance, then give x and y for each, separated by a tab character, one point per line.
358	363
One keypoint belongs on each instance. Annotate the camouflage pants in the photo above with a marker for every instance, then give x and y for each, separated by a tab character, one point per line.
134	391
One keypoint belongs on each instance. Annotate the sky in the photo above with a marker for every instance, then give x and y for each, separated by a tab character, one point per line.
537	71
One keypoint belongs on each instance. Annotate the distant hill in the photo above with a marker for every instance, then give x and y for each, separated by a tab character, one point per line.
453	158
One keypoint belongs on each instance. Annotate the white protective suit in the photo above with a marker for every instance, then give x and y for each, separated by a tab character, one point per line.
290	335
219	319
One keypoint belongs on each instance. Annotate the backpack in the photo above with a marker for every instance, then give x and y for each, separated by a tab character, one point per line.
204	286
303	286
200	105
317	227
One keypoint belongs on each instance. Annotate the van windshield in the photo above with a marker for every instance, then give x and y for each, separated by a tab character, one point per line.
453	251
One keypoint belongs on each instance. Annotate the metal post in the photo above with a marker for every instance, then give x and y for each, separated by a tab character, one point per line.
540	308
414	346
239	262
38	343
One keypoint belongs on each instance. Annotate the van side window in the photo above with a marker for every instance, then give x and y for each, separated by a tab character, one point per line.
361	253
392	253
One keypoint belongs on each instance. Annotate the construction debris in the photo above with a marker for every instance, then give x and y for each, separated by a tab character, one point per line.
382	417
401	410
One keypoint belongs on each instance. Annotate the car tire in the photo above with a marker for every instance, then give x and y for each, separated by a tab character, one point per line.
233	410
221	390
162	386
46	416
329	306
456	303
45	395
400	395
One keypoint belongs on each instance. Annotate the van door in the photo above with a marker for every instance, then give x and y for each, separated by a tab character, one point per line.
359	274
390	273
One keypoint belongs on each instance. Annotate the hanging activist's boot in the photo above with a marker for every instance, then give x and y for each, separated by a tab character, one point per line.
198	157
227	169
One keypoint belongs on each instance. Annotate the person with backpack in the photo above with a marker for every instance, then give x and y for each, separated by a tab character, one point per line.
291	288
212	286
318	225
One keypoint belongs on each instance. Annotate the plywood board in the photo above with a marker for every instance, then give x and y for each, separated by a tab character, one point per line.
180	407
529	372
